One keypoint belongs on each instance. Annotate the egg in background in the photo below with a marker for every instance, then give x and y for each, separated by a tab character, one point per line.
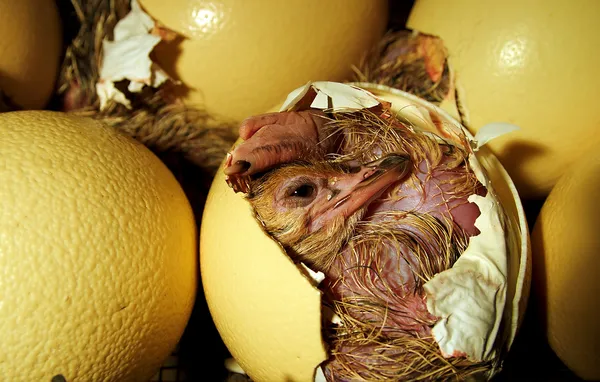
565	248
533	64
30	49
239	58
268	312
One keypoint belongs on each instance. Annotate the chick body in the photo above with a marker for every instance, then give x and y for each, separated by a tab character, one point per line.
390	226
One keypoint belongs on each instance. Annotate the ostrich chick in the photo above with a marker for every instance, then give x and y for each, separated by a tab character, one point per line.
379	208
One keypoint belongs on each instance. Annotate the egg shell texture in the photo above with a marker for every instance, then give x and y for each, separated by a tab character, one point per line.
566	245
239	58
98	265
267	312
532	64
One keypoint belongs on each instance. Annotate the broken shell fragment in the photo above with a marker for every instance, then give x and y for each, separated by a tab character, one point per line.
127	57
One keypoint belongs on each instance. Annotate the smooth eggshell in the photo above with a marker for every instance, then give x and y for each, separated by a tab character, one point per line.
267	312
529	63
241	57
566	245
30	49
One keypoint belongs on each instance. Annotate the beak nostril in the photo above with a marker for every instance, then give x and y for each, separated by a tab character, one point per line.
238	168
244	165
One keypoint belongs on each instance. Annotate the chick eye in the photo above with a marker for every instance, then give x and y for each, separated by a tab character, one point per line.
303	191
299	194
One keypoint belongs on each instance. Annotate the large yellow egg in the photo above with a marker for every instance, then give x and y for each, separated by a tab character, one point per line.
529	63
267	311
30	49
566	245
239	58
98	265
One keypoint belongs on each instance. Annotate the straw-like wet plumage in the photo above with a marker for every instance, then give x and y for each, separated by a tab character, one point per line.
380	208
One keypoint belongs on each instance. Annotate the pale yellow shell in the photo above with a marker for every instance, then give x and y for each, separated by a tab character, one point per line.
530	63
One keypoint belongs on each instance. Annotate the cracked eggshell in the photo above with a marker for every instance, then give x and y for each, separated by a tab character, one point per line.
239	58
30	50
533	64
267	310
517	231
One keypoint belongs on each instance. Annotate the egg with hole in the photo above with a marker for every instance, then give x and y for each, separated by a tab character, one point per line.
565	247
526	63
272	312
240	58
30	52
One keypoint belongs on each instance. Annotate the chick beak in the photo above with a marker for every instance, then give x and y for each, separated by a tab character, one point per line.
350	192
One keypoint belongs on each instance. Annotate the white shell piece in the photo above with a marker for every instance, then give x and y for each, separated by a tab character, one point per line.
333	96
319	375
316	277
234	367
127	57
492	131
469	298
